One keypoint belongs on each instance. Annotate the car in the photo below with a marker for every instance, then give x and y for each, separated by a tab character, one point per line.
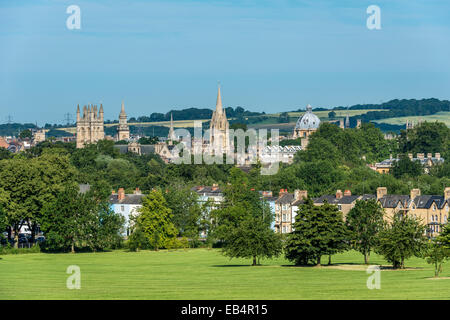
40	239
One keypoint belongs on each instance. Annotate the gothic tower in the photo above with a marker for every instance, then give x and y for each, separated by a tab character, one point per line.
219	128
90	127
123	131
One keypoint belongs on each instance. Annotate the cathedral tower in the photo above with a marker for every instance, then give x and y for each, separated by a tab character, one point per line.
219	128
90	127
123	131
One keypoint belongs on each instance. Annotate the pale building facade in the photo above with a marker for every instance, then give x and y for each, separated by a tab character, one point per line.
123	131
431	210
90	128
219	139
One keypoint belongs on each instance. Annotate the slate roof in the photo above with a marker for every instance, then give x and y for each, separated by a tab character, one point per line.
207	190
285	198
331	199
426	201
392	200
129	199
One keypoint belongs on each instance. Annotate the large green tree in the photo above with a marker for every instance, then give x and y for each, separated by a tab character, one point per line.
365	221
242	222
186	211
155	220
401	239
318	231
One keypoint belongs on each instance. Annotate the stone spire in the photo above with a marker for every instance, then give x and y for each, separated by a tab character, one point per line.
219	108
122	111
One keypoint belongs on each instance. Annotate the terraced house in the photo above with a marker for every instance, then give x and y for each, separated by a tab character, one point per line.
432	210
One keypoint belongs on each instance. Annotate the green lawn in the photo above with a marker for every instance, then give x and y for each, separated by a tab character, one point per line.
206	274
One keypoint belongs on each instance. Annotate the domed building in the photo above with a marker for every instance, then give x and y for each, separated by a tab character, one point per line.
306	124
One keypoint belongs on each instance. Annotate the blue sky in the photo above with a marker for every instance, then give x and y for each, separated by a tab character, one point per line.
269	55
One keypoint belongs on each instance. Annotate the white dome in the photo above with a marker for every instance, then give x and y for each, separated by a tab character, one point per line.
308	121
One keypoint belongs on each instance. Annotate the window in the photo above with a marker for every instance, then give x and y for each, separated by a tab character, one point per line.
284	229
122	208
339	207
445	219
284	217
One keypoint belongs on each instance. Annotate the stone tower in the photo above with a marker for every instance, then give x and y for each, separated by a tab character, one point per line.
219	128
123	131
90	127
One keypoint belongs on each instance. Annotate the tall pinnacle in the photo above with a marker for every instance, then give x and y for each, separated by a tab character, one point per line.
219	101
123	108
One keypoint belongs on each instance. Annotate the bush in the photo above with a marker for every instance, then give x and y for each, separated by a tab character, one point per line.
10	250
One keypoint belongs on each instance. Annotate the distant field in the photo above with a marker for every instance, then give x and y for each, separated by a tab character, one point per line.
443	116
206	274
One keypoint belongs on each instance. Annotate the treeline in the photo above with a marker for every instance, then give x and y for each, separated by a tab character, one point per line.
194	114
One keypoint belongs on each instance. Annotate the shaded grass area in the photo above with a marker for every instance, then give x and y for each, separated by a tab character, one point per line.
206	274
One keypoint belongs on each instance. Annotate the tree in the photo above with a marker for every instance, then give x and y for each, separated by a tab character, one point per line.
318	231
365	221
283	117
31	183
436	254
25	134
242	222
331	115
401	239
405	166
186	211
155	220
66	221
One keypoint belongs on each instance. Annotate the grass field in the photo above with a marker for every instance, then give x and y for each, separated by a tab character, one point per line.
206	274
443	116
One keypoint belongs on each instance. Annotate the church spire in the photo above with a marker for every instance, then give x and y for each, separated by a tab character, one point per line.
122	111
219	108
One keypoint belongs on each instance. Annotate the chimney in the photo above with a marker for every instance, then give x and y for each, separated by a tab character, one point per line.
121	194
429	155
420	156
300	194
339	194
358	123
215	186
137	191
341	123
437	156
447	193
390	156
410	156
113	192
347	193
282	191
381	192
414	193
